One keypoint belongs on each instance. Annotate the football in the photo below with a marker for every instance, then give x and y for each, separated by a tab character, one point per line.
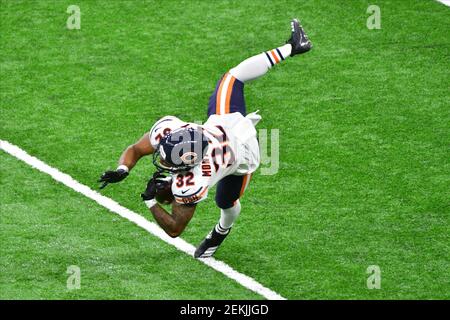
164	193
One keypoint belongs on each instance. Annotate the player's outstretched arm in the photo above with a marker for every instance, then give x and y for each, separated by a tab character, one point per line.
173	224
127	161
136	151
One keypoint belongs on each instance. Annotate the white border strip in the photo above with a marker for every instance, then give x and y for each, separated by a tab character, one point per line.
151	227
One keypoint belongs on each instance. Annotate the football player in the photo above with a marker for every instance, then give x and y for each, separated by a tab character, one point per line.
224	151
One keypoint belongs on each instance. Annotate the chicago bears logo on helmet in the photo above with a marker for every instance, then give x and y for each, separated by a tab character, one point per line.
189	157
181	150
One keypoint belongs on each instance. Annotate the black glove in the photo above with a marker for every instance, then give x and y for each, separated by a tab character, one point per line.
155	183
112	177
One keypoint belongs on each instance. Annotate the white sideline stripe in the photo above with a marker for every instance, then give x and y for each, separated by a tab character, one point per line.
151	227
446	2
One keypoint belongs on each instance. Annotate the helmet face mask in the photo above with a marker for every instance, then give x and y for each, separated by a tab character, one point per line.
180	150
164	166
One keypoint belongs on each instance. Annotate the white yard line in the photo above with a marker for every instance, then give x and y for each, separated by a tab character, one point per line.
151	227
446	2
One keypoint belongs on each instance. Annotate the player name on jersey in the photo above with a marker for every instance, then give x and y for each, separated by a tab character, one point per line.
206	168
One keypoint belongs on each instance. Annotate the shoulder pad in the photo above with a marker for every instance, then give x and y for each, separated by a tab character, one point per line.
163	127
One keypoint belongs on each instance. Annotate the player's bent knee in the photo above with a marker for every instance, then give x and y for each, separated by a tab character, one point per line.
227	204
223	203
235	73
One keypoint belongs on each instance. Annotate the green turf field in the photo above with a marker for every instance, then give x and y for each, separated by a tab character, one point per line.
364	173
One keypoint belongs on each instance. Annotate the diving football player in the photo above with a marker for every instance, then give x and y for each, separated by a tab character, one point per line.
224	151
